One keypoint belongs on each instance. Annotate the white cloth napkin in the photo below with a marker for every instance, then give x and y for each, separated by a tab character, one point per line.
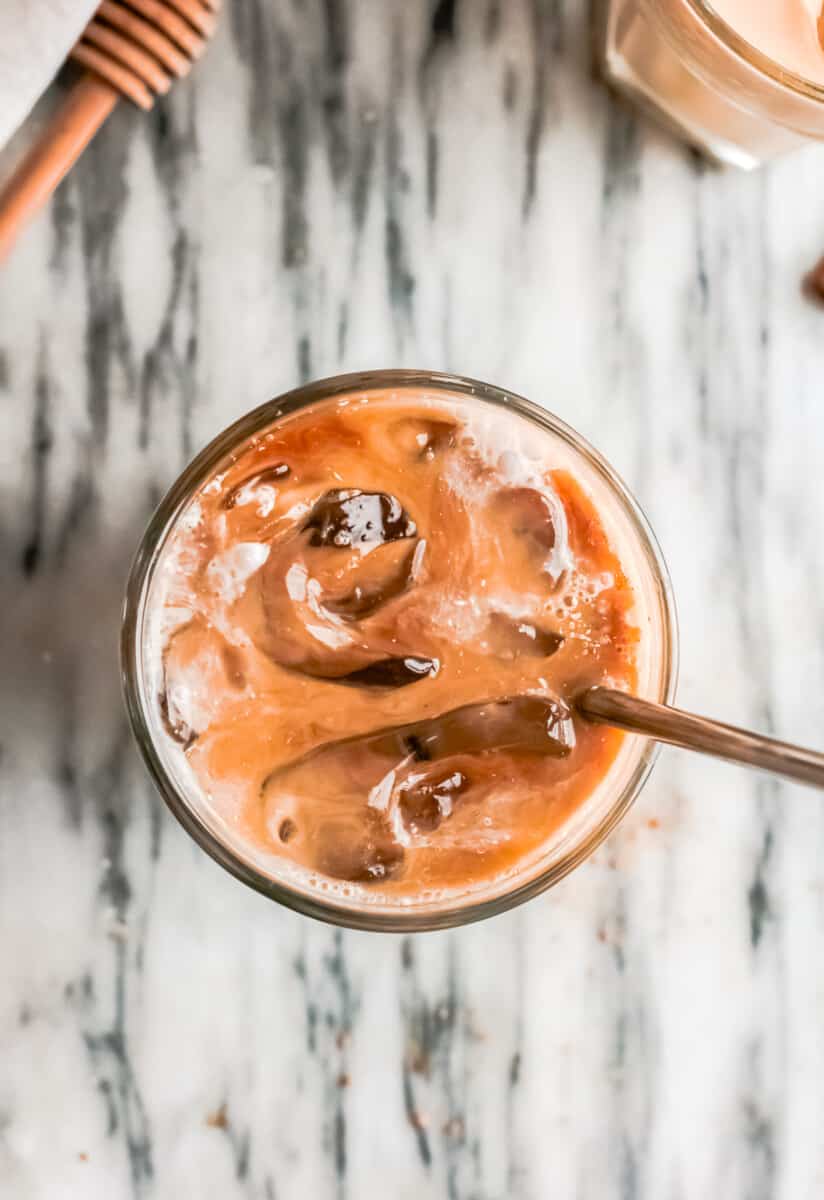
35	38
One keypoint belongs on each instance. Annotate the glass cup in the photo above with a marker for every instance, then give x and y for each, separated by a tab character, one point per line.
691	69
589	824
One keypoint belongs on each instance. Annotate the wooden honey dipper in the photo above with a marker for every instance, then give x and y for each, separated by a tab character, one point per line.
132	48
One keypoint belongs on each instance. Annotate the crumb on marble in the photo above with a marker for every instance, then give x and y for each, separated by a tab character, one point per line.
601	934
474	1030
812	284
454	1128
218	1119
116	928
418	1120
653	823
344	1079
417	1060
83	1156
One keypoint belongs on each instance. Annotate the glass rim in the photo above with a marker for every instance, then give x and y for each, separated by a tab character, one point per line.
337	910
752	56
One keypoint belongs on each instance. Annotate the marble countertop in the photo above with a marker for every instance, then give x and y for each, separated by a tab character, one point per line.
346	185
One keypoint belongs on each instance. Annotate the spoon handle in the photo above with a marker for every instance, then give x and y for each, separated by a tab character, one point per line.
666	724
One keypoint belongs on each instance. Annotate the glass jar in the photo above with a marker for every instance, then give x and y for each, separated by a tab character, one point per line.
588	825
691	69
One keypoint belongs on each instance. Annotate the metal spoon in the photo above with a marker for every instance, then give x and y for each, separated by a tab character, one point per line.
678	728
536	724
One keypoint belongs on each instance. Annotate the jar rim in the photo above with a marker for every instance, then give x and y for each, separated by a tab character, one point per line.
751	55
334	909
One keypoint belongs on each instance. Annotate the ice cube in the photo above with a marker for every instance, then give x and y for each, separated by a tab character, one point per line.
370	581
246	491
508	638
530	513
363	520
391	672
424	801
422	439
358	847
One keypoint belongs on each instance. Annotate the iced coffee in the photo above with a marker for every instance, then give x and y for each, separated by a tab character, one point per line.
364	634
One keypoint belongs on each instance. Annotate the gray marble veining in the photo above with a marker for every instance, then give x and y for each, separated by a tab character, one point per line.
381	183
